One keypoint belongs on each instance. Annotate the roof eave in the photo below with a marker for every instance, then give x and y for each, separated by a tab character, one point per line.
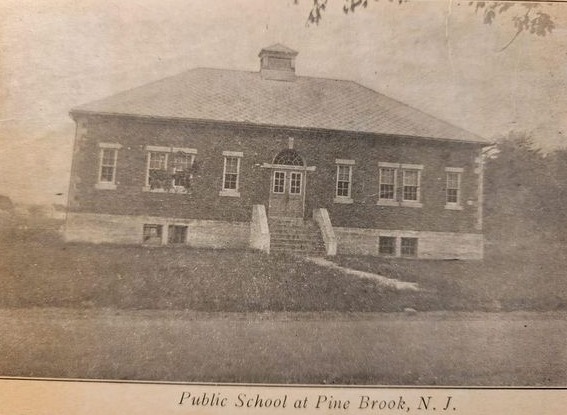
77	112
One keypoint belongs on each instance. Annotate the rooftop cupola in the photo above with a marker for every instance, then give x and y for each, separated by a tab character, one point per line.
277	62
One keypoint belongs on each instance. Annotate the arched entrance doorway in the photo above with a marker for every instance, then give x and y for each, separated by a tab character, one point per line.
288	184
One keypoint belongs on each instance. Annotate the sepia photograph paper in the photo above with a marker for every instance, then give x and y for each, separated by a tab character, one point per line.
274	206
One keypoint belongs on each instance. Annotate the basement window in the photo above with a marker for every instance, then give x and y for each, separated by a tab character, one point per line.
176	234
409	247
152	234
387	245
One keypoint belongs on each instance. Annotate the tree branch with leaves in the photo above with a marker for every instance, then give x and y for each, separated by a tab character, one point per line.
531	20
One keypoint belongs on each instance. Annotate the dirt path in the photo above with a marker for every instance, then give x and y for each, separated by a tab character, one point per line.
382	280
425	349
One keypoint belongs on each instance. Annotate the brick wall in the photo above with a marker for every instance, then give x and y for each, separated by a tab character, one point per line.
260	145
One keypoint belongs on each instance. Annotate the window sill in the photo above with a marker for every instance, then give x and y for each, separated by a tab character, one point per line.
408	203
387	202
453	207
229	193
105	186
343	200
177	189
149	189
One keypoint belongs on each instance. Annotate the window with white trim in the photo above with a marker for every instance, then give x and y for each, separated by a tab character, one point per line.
453	187
108	158
295	183
388	183
409	192
182	163
169	168
344	174
279	182
231	168
411	183
108	165
343	184
158	162
157	170
231	173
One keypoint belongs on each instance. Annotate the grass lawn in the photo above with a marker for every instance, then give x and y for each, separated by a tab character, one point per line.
525	277
39	270
131	312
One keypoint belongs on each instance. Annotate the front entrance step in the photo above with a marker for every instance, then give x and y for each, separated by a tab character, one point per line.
295	235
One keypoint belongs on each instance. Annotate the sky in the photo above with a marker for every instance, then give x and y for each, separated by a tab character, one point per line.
435	55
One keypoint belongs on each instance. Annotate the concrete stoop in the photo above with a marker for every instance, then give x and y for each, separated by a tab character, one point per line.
296	236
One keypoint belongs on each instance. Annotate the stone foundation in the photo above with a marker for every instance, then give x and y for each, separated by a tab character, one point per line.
122	229
118	229
430	245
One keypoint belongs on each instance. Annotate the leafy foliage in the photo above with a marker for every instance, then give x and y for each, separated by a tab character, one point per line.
532	21
526	190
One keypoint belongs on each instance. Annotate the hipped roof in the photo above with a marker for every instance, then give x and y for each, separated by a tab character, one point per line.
245	97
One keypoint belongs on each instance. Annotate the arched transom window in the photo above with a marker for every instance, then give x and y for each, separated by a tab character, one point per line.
289	157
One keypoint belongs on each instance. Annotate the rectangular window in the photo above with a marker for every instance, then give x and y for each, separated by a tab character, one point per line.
152	234
176	234
409	247
158	161
279	182
387	245
411	179
453	187
387	183
168	168
295	183
182	163
231	170
344	177
157	170
231	174
107	165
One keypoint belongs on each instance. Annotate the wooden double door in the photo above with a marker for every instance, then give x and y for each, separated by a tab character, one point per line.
287	193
